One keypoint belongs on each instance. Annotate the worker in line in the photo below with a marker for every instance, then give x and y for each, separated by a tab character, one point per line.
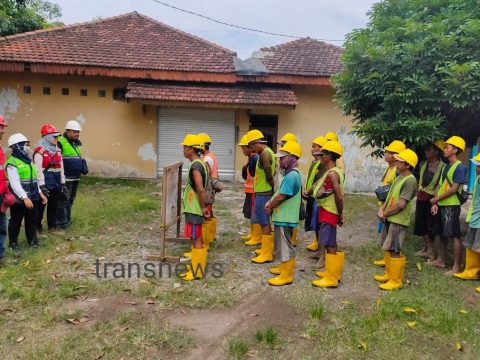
329	193
396	215
284	206
428	225
48	160
389	176
22	179
248	174
332	136
315	172
74	167
3	190
193	205
263	188
472	239
209	158
447	201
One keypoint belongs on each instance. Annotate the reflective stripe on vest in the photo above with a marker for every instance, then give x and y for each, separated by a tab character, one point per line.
393	197
27	174
431	188
261	184
328	203
288	211
3	176
190	200
444	186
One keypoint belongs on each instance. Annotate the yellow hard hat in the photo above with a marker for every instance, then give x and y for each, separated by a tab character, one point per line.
331	136
289	137
205	137
320	141
476	160
439	143
456	141
396	146
334	147
291	147
243	141
408	156
193	140
254	135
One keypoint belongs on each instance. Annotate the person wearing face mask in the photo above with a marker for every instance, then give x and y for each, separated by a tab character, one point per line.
22	178
51	178
75	166
284	206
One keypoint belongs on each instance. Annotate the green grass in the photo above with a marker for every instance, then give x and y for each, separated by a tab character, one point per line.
317	312
268	336
238	348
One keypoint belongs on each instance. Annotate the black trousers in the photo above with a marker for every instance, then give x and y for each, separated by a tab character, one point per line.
19	212
53	199
64	208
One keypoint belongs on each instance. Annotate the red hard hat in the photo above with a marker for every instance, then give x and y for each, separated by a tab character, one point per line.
49	129
2	121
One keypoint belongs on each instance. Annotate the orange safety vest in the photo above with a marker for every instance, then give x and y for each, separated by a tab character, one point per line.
249	182
214	171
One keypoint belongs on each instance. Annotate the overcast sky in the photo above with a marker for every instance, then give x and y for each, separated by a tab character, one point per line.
322	19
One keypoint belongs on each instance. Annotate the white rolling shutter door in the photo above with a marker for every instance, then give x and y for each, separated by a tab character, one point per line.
174	124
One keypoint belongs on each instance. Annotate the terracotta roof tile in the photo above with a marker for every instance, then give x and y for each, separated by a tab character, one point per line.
213	93
303	57
131	41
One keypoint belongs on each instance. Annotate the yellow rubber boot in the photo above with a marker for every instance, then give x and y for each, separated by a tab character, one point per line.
198	265
286	274
275	270
478	289
472	266
380	262
321	274
213	229
294	236
386	275
333	269
396	270
206	234
266	253
256	235
248	236
313	246
188	254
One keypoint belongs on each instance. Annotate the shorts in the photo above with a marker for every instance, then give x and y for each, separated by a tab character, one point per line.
259	216
326	234
311	209
393	236
425	222
284	249
248	205
193	231
451	221
472	239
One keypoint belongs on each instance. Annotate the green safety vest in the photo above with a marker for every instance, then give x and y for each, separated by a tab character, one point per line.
68	150
190	200
27	174
446	184
289	210
328	202
311	175
393	197
470	209
432	186
261	184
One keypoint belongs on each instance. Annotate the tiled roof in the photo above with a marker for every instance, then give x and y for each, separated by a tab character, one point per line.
303	57
131	41
212	93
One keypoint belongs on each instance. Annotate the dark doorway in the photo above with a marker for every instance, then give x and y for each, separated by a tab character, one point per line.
268	125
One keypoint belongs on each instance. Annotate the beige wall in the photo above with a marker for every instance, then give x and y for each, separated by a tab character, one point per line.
316	114
119	139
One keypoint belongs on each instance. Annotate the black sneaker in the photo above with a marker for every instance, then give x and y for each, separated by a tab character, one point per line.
34	244
14	246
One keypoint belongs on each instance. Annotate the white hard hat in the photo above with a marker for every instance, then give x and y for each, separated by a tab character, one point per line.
16	138
73	125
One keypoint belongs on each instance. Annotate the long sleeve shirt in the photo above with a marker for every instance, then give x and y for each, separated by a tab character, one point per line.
14	180
38	161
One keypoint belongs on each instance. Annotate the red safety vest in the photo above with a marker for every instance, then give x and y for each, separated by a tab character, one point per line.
249	182
214	171
3	176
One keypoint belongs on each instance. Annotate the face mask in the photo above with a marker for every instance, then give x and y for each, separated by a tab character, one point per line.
26	149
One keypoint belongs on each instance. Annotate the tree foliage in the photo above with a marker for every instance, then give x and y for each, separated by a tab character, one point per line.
17	16
414	72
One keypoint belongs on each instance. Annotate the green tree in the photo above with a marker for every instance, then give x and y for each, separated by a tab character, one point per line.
17	16
414	72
